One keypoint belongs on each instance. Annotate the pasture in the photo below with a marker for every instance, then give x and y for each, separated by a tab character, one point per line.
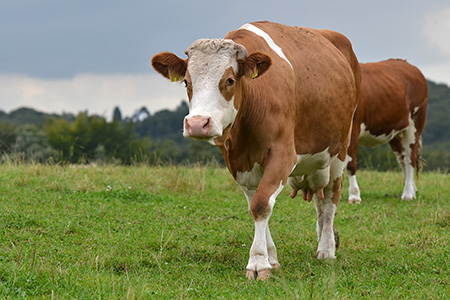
114	232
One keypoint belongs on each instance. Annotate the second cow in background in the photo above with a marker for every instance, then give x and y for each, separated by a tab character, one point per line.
392	109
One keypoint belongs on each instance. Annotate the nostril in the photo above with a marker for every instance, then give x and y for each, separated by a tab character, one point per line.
208	121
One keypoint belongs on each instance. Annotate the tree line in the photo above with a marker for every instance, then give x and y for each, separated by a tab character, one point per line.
29	135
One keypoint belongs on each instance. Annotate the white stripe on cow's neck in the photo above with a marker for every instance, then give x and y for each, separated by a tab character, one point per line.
268	40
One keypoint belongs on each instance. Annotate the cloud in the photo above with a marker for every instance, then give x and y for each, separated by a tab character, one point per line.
436	34
436	30
93	92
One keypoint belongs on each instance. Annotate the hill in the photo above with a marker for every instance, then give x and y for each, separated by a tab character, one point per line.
437	128
25	115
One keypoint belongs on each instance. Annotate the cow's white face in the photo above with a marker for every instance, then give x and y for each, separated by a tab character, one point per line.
212	75
210	82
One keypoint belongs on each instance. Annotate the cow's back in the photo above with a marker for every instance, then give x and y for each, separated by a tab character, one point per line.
392	88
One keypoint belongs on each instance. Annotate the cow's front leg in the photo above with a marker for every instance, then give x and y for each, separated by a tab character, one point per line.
263	253
258	262
270	180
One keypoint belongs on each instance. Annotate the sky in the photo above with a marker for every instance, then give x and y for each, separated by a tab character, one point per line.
72	56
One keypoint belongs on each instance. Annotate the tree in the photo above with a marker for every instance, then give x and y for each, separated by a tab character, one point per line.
117	115
8	135
32	144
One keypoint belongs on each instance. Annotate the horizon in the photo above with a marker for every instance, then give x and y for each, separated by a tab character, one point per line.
136	110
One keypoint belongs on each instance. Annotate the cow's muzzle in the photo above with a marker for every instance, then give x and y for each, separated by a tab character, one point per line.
198	127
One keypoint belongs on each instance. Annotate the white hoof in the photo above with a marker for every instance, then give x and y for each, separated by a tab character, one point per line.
408	196
260	275
354	199
325	255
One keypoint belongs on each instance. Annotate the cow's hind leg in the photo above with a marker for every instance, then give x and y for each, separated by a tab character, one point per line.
397	147
326	209
405	148
354	194
325	233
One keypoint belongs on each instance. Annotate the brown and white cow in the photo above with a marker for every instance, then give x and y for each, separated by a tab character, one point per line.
392	109
278	101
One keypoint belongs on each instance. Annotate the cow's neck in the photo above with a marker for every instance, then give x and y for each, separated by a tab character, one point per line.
241	143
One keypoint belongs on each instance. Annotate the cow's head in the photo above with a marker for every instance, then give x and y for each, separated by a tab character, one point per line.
212	74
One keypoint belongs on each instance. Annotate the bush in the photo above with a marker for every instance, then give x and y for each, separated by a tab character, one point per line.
92	138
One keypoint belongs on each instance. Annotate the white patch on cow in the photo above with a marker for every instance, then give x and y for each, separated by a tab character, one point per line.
409	138
409	134
248	194
416	109
370	140
337	167
307	163
268	40
275	195
410	189
249	182
250	179
208	61
348	159
400	160
354	194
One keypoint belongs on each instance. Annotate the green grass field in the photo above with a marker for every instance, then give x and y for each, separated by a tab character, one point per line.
113	232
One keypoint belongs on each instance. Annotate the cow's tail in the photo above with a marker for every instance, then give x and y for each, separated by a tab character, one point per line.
420	163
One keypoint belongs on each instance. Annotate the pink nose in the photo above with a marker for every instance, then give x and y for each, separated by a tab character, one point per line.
198	126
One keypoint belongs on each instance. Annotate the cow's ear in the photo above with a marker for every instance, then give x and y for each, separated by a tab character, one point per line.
256	64
169	65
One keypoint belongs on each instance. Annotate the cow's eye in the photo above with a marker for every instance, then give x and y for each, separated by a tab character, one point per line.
230	81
